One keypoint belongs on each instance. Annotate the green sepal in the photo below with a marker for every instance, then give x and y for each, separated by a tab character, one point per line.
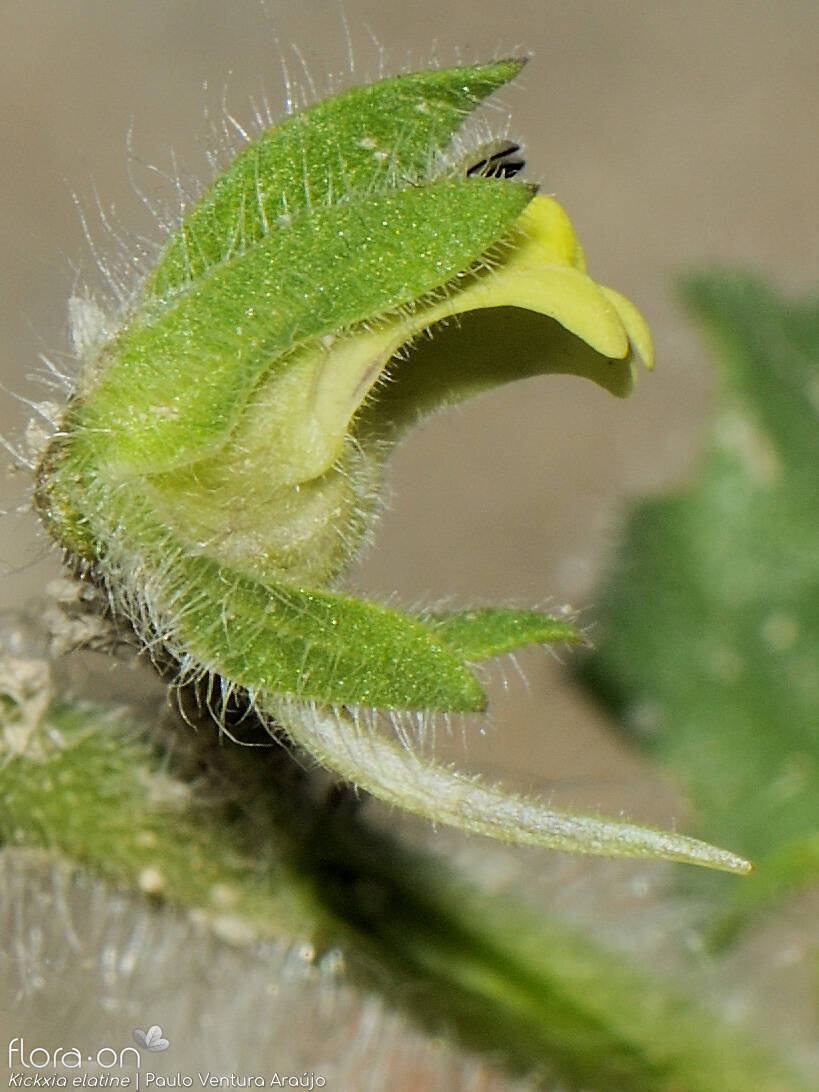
340	266
334	649
364	140
491	631
317	645
270	637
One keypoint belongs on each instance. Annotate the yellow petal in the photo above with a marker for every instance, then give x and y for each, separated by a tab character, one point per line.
636	326
561	292
547	235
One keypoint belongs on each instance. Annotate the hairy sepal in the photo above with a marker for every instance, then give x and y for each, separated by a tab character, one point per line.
356	144
400	776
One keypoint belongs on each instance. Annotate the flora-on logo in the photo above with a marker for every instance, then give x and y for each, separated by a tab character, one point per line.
70	1057
151	1039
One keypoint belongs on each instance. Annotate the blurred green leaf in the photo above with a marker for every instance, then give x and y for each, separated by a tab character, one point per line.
710	645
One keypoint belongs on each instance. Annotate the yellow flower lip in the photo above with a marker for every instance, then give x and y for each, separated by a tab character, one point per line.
634	324
545	271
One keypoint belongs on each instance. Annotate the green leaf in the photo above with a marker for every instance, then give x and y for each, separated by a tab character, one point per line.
710	651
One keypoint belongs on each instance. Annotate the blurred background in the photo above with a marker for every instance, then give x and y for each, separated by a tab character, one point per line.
675	135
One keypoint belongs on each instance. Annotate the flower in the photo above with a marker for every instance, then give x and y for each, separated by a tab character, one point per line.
220	460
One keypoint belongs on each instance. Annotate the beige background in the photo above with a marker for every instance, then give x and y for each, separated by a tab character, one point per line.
675	134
